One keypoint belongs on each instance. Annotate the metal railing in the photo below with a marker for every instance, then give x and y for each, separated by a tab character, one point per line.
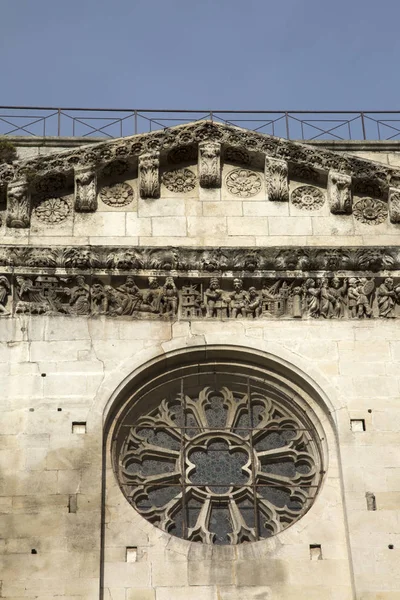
111	123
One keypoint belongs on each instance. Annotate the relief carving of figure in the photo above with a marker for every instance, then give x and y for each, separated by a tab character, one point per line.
388	297
238	300
5	289
99	299
312	295
169	299
359	297
254	307
213	298
130	297
153	295
79	297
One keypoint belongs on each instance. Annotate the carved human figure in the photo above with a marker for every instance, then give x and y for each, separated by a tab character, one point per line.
254	307
325	299
5	289
99	299
364	289
352	295
338	290
213	295
130	297
79	297
387	298
312	295
238	300
169	299
153	295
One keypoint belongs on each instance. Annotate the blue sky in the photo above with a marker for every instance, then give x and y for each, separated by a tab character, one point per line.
236	54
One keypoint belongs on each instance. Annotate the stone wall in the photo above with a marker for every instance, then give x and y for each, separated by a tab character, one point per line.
78	338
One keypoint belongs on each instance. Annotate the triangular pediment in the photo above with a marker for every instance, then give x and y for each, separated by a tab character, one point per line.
154	158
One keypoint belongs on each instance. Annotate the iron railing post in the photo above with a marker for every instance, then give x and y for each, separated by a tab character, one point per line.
287	125
59	122
363	126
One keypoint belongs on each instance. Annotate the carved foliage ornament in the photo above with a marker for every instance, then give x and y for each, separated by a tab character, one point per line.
394	205
308	197
219	460
149	175
53	210
276	179
18	205
179	180
85	190
210	164
119	194
243	183
339	193
370	211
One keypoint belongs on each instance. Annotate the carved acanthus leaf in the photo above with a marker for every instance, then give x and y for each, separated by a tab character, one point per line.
339	193
394	205
149	175
85	189
276	179
210	164
18	205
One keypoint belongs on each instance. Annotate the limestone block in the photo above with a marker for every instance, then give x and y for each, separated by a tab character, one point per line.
249	592
333	225
211	572
222	209
170	207
247	226
198	592
260	573
206	226
169	226
101	224
165	574
58	350
388	500
140	594
124	574
265	209
290	226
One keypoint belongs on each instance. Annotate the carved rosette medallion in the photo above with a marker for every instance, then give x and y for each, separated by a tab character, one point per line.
119	194
243	183
370	211
308	197
220	460
179	180
53	210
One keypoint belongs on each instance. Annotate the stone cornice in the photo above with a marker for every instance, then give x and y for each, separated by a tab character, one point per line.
130	148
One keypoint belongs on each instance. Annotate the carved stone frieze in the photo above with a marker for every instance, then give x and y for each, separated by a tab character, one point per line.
119	194
182	154
276	179
114	169
163	296
206	260
85	189
394	205
237	156
149	175
339	193
243	183
52	210
179	181
308	197
210	164
370	211
18	205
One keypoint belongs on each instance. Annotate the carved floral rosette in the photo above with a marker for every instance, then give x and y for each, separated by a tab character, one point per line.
370	211
179	181
308	197
53	210
243	183
119	194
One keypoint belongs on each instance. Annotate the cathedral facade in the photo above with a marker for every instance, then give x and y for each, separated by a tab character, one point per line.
200	368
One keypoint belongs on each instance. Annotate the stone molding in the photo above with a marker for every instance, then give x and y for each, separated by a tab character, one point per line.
183	136
201	283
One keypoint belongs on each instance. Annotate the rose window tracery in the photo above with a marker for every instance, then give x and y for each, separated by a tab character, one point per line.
218	458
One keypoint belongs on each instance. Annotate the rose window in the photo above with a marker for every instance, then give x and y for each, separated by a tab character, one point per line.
216	456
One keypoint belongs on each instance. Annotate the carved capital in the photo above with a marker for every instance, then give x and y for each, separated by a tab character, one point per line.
149	175
394	205
339	193
18	205
210	164
85	190
276	179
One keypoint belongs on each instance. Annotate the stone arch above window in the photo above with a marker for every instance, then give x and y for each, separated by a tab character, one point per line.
218	450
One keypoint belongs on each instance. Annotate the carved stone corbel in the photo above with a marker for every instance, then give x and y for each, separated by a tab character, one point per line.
149	175
339	193
210	164
394	205
85	189
18	205
276	179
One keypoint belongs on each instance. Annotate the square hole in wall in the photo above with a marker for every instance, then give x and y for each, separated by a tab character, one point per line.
131	554
357	425
315	552
79	427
